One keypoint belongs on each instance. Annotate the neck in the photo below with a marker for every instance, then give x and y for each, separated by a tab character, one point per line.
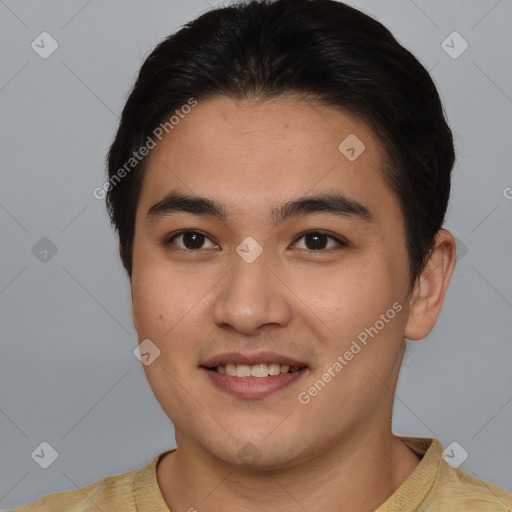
355	474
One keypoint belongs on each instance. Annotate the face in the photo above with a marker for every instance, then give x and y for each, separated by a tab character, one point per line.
320	286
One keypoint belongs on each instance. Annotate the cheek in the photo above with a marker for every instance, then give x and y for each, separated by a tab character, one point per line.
356	313
149	309
344	299
162	296
163	311
359	363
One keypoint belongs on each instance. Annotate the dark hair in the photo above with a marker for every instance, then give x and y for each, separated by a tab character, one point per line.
318	49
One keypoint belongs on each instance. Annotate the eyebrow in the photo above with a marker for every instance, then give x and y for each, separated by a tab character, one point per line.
332	203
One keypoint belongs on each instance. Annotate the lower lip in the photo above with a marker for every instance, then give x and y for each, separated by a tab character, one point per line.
253	387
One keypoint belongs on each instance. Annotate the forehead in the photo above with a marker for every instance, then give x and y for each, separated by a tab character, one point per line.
244	152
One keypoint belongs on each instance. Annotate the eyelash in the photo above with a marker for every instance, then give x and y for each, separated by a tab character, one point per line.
341	243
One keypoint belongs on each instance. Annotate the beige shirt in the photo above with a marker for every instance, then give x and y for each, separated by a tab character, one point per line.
434	486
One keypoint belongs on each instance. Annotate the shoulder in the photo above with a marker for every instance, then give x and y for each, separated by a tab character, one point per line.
113	493
437	484
107	492
456	487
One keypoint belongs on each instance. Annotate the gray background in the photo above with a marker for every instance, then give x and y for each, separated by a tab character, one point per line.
68	375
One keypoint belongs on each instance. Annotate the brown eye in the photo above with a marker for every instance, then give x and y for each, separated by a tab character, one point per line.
193	240
317	241
190	240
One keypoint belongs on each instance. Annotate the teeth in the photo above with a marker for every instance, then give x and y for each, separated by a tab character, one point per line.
274	369
258	370
243	370
230	369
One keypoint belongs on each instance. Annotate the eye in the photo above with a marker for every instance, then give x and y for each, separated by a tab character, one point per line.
192	240
317	241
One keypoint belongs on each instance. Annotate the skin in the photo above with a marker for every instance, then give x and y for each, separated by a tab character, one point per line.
338	451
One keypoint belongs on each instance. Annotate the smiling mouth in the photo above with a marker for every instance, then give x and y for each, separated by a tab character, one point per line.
261	370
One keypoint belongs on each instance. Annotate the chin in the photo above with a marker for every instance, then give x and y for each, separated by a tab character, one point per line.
258	452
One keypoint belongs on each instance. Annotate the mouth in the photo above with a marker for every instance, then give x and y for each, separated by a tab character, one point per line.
254	376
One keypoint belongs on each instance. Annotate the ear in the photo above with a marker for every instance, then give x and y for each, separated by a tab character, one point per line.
430	287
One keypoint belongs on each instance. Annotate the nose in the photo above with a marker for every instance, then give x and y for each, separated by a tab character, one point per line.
252	295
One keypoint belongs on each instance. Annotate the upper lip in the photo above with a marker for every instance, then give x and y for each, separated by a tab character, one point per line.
250	359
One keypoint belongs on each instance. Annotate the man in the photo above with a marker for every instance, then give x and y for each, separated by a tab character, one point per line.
279	182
